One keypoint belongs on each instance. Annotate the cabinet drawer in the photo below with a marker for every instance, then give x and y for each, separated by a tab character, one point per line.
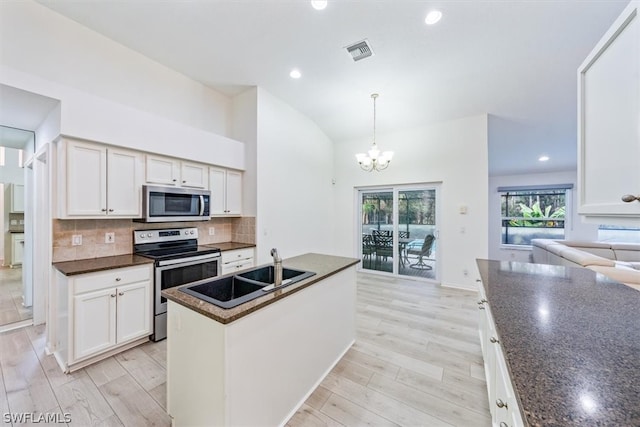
111	278
232	267
240	254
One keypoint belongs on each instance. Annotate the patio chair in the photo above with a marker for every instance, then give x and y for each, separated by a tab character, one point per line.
403	234
368	248
384	247
424	252
385	233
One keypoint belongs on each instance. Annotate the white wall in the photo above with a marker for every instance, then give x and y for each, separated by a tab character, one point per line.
110	93
454	153
295	209
245	128
575	228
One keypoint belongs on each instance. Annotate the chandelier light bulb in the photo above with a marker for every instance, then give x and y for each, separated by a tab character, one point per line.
319	4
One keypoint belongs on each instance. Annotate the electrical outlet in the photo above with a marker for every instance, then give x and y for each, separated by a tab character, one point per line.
212	231
109	237
76	240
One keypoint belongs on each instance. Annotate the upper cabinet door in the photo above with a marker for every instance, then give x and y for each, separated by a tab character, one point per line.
217	205
234	192
17	198
194	175
124	182
162	170
86	179
609	124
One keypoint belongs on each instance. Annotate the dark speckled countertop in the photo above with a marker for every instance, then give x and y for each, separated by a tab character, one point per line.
571	338
81	266
323	265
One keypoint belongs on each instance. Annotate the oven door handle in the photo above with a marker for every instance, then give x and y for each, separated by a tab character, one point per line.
187	260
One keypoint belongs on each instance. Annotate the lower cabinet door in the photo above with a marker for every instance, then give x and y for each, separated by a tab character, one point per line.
94	321
134	311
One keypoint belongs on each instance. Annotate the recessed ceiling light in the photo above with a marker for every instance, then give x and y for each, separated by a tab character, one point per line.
319	4
543	158
433	17
295	74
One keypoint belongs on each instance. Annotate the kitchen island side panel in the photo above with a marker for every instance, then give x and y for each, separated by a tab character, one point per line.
277	356
195	368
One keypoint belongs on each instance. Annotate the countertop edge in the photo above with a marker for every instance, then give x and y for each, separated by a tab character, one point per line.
92	265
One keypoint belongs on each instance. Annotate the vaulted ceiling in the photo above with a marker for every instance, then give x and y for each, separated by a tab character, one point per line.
515	60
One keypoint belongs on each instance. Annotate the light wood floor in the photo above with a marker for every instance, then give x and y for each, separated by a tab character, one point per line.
416	362
11	309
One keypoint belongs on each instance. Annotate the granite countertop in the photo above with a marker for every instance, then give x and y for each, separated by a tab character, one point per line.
571	338
81	266
323	265
230	246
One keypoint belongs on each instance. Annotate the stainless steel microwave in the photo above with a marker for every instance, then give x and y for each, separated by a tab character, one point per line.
168	204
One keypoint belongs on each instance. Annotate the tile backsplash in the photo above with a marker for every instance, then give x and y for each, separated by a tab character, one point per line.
93	231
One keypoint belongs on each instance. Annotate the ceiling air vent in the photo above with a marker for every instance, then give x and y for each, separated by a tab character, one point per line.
360	50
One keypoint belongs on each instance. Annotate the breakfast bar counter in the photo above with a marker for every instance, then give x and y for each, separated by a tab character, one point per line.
571	340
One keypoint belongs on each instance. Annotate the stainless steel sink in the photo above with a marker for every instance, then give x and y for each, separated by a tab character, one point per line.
231	291
226	292
266	276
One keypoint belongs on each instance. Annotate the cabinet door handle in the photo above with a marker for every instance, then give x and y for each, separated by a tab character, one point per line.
494	340
118	279
503	424
113	295
120	293
174	180
103	209
110	210
628	198
481	307
501	404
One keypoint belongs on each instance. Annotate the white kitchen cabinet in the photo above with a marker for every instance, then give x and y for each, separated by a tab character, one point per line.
109	311
503	403
162	170
16	198
170	171
17	248
609	125
226	191
236	260
97	181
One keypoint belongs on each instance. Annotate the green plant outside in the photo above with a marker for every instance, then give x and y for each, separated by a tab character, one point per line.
531	216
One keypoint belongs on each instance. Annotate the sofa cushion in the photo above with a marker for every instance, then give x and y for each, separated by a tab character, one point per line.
626	251
596	248
621	274
583	258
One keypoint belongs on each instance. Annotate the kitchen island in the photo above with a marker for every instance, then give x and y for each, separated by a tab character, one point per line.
256	363
570	338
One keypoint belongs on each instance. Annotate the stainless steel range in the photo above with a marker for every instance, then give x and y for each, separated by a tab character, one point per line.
178	260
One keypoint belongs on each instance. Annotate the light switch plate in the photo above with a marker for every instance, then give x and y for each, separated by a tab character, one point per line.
76	240
109	237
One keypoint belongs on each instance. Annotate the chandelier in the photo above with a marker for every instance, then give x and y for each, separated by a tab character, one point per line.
374	160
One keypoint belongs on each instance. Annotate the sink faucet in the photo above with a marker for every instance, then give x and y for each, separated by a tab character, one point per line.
277	268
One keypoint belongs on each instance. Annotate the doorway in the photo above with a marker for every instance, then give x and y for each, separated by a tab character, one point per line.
398	231
16	291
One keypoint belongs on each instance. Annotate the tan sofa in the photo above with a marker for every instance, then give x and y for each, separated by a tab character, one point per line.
619	261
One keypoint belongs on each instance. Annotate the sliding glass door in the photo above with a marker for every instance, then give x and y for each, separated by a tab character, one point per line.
398	231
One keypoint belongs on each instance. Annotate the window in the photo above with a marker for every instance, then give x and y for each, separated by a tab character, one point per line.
618	233
533	213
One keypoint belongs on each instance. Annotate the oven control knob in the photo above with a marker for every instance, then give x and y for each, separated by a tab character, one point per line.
191	232
148	234
142	235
